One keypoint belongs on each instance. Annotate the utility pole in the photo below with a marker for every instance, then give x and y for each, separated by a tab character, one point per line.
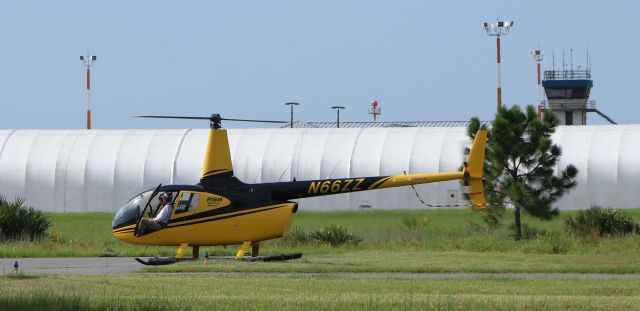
292	104
338	108
497	29
88	61
538	57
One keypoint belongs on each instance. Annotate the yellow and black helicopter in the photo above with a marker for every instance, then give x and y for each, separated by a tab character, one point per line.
222	210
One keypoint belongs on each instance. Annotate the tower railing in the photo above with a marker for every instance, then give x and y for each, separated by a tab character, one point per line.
567	74
569	104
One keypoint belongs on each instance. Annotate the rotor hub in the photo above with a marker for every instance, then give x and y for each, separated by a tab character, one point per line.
215	122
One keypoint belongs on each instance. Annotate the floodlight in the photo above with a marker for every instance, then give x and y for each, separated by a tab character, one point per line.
537	55
499	28
291	104
337	108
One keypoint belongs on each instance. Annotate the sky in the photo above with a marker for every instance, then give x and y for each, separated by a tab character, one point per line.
422	60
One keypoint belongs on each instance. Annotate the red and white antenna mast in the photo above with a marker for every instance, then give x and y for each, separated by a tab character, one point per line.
498	29
88	61
538	55
375	109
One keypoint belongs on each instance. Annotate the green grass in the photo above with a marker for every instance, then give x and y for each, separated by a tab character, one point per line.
422	262
403	241
310	292
79	235
393	241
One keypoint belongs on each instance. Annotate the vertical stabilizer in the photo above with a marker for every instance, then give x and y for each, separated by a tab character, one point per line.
473	170
217	159
475	161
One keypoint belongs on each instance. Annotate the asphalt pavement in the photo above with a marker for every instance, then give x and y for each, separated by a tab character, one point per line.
73	265
124	265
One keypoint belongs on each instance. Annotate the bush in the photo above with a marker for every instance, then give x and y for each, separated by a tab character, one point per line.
335	235
19	222
599	221
413	229
530	233
297	235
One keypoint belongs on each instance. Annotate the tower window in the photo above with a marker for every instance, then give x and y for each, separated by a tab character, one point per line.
568	117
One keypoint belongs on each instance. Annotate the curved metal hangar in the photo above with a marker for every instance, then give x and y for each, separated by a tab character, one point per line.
99	170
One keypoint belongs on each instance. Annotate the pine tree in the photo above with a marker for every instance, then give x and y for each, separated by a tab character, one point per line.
520	162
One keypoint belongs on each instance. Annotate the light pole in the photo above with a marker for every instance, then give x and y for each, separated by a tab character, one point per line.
537	57
338	108
497	29
375	109
88	61
292	104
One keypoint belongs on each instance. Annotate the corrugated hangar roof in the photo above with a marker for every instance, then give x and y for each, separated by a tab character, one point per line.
312	124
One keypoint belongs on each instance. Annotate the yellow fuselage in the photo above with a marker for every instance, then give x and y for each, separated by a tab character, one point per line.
255	225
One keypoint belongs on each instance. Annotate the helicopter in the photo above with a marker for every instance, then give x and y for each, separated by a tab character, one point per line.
222	210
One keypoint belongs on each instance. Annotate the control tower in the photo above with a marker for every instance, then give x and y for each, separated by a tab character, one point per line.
568	95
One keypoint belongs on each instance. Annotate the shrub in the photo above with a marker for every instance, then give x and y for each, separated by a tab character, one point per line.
335	235
19	222
297	235
530	233
413	229
413	223
601	221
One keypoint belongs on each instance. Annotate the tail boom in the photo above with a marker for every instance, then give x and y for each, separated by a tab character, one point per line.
312	188
471	175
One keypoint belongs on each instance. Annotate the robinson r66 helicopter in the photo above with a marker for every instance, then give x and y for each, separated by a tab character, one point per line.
222	210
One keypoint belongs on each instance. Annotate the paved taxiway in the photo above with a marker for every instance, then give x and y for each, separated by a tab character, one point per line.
121	265
73	265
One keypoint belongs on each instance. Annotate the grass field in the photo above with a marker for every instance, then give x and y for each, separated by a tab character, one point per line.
422	261
393	241
289	292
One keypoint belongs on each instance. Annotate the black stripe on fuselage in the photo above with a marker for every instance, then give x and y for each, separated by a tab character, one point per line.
124	230
215	172
222	217
379	182
216	211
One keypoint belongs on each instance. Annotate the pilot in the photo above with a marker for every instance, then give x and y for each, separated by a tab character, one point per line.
162	218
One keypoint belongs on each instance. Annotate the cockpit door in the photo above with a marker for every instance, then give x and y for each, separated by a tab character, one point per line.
146	205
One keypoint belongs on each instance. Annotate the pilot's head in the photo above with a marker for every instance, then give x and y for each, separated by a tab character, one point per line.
165	197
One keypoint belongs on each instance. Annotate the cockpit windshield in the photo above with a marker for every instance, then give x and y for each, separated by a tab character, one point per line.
129	212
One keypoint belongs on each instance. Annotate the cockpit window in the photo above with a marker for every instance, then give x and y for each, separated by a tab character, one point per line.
129	212
188	202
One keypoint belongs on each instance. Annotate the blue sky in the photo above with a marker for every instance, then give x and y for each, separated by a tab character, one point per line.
422	60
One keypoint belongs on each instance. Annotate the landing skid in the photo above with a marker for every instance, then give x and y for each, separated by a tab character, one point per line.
278	257
157	261
161	261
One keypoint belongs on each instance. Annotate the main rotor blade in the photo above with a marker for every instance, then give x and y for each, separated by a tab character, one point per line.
244	120
209	118
175	117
